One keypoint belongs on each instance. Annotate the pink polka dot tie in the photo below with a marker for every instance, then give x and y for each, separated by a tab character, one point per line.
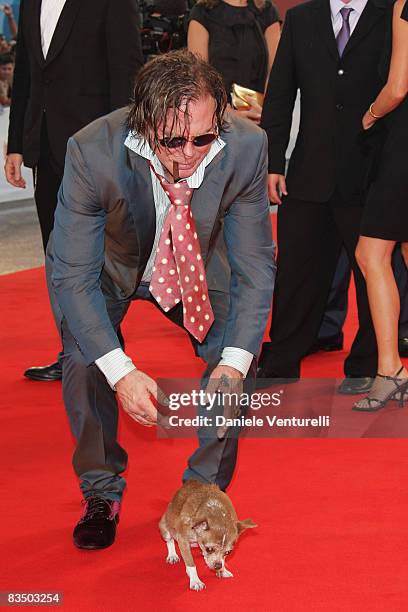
178	272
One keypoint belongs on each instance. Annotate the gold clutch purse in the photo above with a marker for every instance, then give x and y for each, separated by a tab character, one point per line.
239	94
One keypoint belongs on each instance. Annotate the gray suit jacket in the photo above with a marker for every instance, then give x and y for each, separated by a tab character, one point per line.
105	227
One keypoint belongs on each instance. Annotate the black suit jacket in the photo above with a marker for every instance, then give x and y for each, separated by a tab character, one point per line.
89	71
335	93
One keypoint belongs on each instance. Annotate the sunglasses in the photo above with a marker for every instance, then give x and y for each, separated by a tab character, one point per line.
180	141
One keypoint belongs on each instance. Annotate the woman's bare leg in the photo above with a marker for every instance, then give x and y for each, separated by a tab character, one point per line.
374	258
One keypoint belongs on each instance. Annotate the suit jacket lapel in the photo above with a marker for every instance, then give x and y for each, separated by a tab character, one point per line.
369	17
36	30
141	202
205	203
325	26
63	29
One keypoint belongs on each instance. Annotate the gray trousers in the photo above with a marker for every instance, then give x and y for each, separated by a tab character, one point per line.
92	409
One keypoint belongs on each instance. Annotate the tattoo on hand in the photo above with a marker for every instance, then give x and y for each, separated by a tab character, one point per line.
224	380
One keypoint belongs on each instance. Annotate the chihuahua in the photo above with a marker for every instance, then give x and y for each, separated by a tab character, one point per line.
201	515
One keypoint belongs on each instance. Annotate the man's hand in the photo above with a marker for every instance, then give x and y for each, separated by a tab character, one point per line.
134	391
276	184
8	11
230	381
12	169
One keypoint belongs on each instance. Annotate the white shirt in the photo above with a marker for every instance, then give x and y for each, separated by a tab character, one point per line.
161	201
116	363
358	7
50	13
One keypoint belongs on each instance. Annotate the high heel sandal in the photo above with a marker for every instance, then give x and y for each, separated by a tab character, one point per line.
384	389
401	394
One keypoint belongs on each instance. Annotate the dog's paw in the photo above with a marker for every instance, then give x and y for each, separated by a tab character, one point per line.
172	559
196	584
224	573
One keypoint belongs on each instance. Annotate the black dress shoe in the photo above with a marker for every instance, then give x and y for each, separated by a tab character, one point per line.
97	526
329	344
354	385
45	373
403	347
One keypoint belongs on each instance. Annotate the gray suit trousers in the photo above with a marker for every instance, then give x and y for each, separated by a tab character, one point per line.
92	409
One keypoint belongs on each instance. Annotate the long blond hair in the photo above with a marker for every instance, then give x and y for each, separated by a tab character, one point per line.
260	4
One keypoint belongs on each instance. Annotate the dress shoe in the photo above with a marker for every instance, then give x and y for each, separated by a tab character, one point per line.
403	347
45	373
353	385
97	526
328	345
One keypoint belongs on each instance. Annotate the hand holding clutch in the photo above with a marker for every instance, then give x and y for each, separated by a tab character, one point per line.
247	102
240	95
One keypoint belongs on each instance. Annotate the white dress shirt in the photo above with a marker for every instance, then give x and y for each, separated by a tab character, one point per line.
116	363
50	13
358	7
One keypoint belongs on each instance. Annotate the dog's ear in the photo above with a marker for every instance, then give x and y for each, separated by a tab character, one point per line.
201	525
245	524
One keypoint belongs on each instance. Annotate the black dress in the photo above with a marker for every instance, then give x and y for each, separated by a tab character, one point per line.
386	212
237	47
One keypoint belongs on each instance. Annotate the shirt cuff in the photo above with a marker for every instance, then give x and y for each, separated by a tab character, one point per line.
237	358
115	365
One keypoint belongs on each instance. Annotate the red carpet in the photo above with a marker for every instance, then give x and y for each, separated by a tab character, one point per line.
332	514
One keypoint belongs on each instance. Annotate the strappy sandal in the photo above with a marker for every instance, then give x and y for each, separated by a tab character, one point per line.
401	394
384	388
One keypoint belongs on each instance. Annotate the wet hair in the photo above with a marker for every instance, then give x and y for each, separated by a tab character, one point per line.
166	86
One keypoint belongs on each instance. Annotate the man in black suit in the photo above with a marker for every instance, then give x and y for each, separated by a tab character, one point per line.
330	50
75	61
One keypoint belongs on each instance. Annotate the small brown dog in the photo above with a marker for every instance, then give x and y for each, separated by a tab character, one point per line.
200	514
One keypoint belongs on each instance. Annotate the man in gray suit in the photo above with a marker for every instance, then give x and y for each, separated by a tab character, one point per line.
165	202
